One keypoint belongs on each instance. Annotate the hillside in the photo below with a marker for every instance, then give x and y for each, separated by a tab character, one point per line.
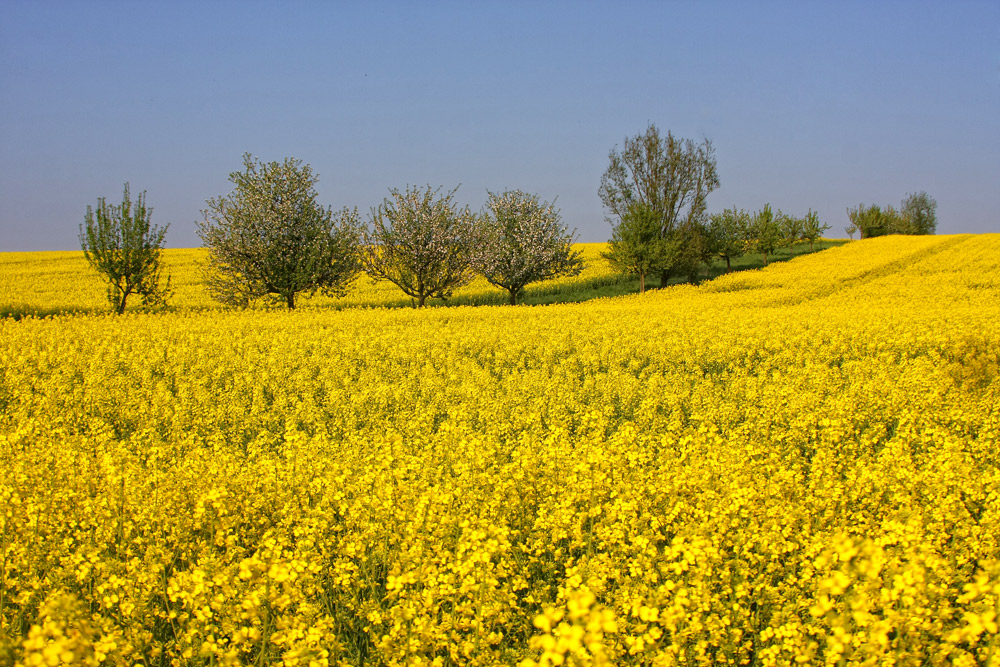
796	464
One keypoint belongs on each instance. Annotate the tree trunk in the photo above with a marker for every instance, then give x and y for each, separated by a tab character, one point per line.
729	266
513	297
290	300
120	295
120	307
765	258
664	277
420	300
642	282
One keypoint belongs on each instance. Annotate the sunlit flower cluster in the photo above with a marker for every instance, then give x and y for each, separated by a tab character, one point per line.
798	465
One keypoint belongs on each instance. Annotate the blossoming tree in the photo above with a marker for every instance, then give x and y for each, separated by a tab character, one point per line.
521	240
420	241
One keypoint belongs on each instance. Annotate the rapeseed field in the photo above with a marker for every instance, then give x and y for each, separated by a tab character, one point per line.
798	465
61	282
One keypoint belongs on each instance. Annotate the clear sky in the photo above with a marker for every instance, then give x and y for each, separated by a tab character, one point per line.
808	104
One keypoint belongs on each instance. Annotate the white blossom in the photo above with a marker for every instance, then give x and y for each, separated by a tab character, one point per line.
520	241
270	236
420	241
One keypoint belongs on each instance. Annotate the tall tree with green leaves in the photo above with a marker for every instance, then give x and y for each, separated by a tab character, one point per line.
521	240
421	241
126	249
671	177
269	236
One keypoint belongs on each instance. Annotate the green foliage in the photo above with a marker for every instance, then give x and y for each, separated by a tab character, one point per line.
727	232
812	228
421	242
872	221
920	211
670	177
689	249
520	240
791	229
636	247
269	236
917	215
122	245
764	234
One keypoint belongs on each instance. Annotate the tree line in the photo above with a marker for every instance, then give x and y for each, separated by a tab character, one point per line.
917	214
655	191
270	237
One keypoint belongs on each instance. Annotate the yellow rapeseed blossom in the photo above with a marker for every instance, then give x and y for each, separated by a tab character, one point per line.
47	283
792	466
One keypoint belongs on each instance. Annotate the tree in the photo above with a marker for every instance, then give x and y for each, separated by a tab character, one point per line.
122	245
893	222
920	211
764	234
671	176
872	221
791	229
812	228
865	219
726	233
689	249
269	236
520	240
636	247
422	242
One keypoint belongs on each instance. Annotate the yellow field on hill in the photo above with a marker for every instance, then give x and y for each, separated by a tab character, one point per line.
798	465
46	283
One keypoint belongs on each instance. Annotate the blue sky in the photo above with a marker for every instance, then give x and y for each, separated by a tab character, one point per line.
807	104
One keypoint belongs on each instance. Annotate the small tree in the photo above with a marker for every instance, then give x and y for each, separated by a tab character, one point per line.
421	242
791	229
636	247
270	236
726	233
812	229
520	240
920	212
122	245
764	235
